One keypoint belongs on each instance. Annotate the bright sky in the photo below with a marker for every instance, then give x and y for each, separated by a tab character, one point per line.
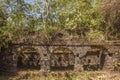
29	1
32	1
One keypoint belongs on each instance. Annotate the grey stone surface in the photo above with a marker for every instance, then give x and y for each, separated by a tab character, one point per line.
43	56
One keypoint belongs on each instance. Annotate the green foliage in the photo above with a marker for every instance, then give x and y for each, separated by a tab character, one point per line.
12	18
96	35
81	16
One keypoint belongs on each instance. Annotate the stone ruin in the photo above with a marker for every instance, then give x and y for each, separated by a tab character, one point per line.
58	57
75	55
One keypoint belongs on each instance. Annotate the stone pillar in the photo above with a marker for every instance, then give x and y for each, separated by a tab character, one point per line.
78	66
45	59
45	62
45	65
108	63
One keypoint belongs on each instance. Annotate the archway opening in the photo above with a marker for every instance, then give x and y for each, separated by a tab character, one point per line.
28	58
62	59
91	61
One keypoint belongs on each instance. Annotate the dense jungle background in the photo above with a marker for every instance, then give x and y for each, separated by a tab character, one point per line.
91	19
94	20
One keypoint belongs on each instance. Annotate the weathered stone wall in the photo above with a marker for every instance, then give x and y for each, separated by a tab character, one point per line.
45	53
9	57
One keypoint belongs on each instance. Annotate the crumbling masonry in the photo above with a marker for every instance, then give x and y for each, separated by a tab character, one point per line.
46	57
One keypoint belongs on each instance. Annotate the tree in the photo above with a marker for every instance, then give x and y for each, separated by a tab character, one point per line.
81	16
13	18
110	10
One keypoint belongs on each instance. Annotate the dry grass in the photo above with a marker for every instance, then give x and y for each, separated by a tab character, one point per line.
89	75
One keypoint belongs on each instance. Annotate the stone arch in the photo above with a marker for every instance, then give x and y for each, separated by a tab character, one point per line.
62	58
28	58
92	59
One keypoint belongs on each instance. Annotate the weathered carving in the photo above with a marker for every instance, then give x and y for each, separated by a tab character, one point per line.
62	58
48	57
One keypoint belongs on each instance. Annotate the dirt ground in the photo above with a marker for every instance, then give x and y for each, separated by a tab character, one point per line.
64	75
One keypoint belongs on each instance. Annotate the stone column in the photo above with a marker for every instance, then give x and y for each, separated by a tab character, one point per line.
45	65
78	66
108	63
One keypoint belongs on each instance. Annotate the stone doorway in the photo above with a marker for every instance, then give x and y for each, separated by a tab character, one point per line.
28	58
62	59
91	61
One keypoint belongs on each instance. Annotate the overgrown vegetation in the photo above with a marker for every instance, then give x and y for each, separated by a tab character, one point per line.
111	13
82	17
35	75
